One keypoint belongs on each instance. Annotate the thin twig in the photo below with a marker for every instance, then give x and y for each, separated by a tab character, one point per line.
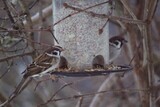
65	85
24	30
127	20
14	94
94	93
8	12
2	99
33	4
79	103
40	82
21	86
101	29
25	85
148	15
15	56
8	69
152	9
136	52
45	13
130	12
53	36
31	30
30	24
78	10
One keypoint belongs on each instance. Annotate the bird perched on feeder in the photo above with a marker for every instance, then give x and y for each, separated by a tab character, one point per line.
44	63
115	47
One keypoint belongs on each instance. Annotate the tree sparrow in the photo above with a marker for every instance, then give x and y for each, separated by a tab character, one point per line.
98	62
63	64
44	63
115	47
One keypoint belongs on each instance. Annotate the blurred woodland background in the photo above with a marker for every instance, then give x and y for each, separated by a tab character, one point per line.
25	32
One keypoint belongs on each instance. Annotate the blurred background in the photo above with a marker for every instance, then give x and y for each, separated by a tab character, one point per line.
25	32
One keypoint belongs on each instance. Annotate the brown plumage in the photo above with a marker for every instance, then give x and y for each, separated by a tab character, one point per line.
44	61
63	64
98	62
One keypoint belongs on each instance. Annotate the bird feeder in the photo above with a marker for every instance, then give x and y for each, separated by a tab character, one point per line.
84	35
77	30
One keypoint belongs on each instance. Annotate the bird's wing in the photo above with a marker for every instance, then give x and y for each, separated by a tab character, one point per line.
40	64
43	58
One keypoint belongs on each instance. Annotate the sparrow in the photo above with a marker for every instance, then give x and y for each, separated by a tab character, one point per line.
44	63
98	62
63	63
115	47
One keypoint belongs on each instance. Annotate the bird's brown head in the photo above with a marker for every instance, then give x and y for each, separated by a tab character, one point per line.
55	51
117	41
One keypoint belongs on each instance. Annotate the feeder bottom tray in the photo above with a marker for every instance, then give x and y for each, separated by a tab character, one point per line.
92	72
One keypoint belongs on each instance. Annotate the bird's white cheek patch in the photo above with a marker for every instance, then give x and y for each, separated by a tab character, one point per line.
49	54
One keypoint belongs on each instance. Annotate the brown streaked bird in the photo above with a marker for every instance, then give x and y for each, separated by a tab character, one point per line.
44	63
98	62
115	47
63	64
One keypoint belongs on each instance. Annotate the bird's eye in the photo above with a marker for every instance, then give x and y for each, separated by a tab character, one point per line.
116	42
55	53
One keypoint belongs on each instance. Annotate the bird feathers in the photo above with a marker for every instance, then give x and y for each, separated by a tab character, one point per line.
43	63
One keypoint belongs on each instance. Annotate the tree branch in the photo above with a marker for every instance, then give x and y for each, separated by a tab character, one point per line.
15	56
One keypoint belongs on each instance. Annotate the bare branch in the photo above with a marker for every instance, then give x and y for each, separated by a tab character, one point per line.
8	12
15	56
50	100
103	16
94	93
